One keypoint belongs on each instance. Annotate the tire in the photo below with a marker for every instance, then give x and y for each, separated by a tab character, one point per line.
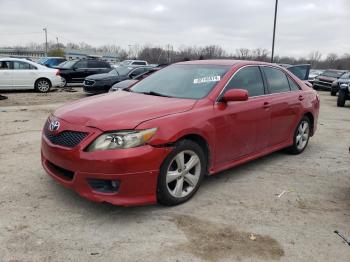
42	85
333	91
301	136
315	87
64	81
176	182
341	98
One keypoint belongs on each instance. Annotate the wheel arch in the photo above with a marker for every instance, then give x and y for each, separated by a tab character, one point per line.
202	142
312	120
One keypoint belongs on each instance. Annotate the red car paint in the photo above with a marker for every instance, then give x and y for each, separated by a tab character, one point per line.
235	132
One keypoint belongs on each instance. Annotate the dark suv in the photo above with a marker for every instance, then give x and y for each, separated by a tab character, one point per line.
75	71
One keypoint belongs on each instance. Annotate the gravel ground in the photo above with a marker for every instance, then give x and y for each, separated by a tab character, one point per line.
235	216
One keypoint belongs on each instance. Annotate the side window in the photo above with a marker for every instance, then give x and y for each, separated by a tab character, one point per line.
17	65
248	78
293	85
5	65
93	64
277	80
81	64
139	63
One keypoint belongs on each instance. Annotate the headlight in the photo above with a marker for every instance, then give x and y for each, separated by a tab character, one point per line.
121	139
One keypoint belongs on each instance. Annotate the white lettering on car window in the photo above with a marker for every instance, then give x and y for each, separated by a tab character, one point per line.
206	79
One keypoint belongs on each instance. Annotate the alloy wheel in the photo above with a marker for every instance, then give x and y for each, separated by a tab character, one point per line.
43	86
183	173
302	135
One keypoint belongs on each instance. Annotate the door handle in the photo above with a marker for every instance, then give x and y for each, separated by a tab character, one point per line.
301	98
266	105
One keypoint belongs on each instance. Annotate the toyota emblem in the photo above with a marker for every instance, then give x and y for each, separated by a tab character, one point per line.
54	125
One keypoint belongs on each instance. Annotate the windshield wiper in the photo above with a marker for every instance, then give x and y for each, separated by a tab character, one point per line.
153	93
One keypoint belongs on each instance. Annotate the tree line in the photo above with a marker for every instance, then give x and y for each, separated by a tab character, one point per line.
167	54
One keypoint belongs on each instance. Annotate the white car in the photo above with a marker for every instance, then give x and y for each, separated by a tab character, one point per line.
16	73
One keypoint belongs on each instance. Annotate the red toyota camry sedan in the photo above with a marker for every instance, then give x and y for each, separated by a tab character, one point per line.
156	141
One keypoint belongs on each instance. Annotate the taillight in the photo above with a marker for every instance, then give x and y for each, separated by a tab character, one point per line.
57	72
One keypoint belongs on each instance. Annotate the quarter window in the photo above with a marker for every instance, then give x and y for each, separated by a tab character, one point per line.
250	79
276	79
293	85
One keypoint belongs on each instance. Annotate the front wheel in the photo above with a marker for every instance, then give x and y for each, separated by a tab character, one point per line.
301	136
42	85
341	98
181	173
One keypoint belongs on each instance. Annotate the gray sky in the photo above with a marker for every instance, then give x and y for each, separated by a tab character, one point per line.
303	26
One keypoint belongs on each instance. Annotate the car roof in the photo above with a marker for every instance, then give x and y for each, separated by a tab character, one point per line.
224	62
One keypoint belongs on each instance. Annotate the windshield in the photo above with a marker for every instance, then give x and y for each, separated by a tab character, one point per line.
122	70
182	81
345	76
69	64
331	73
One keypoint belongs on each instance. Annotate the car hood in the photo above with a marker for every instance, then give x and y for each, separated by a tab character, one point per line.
102	77
120	110
343	81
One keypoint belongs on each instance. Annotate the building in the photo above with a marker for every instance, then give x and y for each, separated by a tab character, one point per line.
21	53
69	54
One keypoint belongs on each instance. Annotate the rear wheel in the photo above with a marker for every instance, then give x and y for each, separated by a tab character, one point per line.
301	136
181	173
341	98
42	85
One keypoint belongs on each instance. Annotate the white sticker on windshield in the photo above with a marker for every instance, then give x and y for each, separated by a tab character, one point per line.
206	79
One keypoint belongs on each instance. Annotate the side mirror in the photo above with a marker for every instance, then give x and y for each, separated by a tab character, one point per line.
235	95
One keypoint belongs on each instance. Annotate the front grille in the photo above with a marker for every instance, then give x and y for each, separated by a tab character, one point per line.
66	138
61	172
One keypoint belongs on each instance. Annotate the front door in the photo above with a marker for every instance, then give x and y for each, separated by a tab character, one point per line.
242	128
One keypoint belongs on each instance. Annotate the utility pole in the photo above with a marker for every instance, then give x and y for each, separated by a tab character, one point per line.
274	32
45	30
57	42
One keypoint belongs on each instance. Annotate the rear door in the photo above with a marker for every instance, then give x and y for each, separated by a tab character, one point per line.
285	100
6	77
24	74
242	128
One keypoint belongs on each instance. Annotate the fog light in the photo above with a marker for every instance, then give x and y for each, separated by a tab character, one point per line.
104	186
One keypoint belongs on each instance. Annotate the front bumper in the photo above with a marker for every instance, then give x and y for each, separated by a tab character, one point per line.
136	170
97	87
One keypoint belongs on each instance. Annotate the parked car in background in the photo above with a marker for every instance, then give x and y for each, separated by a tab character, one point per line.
344	94
131	63
314	73
344	79
156	142
18	73
101	83
75	71
129	82
325	80
52	61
